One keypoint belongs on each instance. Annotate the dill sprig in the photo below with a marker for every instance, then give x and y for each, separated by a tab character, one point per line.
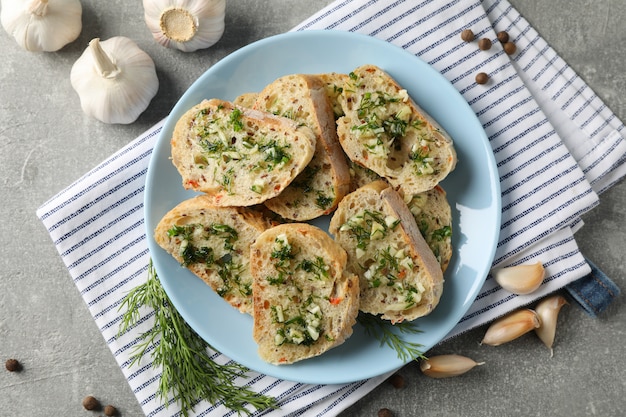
189	373
391	335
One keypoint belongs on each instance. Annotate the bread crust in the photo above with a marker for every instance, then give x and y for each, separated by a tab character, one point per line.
213	243
326	179
400	278
433	216
384	130
238	156
305	302
245	99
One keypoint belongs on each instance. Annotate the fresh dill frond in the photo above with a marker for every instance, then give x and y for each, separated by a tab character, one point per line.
189	373
391	335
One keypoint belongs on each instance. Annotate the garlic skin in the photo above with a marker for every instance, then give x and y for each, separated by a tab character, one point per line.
511	326
187	25
548	310
42	25
115	80
445	366
520	279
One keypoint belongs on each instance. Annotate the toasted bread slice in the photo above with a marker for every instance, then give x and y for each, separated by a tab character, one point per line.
214	243
400	278
333	83
433	216
360	176
324	182
245	100
384	130
305	302
239	156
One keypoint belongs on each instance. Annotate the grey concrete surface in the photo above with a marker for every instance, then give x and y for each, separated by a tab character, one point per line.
46	143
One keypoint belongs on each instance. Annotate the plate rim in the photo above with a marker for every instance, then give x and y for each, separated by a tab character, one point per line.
292	37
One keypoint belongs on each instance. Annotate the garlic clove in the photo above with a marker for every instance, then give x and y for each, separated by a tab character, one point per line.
520	279
511	326
42	25
115	80
548	310
445	366
187	26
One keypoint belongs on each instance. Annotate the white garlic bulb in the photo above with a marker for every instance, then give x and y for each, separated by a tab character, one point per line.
42	25
187	25
115	80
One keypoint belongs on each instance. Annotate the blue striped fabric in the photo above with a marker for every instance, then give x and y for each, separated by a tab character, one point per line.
556	145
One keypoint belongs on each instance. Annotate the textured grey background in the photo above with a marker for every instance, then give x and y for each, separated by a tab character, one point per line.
46	143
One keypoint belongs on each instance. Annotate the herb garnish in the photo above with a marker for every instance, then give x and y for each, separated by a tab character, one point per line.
442	233
391	335
189	373
235	120
317	267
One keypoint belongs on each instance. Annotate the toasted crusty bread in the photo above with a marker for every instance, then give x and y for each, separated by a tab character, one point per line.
384	130
334	82
326	179
430	209
245	100
400	278
360	176
433	216
239	156
305	302
214	243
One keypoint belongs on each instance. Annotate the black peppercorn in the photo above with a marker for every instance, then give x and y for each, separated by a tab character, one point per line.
467	35
509	48
13	365
482	78
91	403
385	412
397	381
484	44
503	37
109	410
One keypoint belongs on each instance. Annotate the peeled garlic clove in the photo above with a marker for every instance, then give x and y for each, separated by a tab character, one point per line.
511	326
42	25
115	80
187	26
548	310
444	366
520	279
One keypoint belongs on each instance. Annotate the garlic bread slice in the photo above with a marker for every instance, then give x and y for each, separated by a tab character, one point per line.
400	278
305	302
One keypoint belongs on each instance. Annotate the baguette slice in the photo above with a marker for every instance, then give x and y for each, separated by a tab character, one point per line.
433	216
305	302
360	176
326	179
333	83
400	278
245	100
384	130
239	156
213	243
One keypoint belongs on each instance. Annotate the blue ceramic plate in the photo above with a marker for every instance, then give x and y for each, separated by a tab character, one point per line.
473	190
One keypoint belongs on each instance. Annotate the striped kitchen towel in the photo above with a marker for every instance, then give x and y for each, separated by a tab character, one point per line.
557	146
